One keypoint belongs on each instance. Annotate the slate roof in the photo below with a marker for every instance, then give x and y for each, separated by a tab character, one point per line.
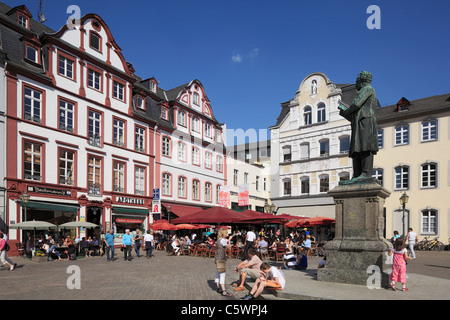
428	106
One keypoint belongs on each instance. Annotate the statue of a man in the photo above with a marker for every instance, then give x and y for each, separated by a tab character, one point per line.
364	139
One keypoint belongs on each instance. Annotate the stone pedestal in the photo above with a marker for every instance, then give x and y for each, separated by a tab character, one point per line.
359	247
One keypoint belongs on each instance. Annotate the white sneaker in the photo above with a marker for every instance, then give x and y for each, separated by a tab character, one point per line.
12	268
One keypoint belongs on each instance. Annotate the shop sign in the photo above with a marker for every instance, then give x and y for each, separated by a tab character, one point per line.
56	192
130	200
156	206
120	220
243	195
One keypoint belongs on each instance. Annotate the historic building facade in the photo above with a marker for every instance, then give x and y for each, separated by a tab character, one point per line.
414	142
190	164
309	148
74	143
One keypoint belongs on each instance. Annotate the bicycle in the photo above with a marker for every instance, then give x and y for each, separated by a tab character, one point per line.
434	245
421	244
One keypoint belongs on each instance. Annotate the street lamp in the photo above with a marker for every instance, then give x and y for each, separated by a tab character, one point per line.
169	208
25	199
403	201
269	208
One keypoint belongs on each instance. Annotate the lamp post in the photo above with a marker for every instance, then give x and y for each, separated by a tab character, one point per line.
169	208
25	198
403	201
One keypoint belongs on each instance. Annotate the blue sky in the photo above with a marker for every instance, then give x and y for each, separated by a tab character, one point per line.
251	55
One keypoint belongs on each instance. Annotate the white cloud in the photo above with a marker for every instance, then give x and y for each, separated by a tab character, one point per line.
236	58
251	56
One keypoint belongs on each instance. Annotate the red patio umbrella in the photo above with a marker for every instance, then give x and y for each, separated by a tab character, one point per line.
202	226
215	215
185	226
316	221
162	225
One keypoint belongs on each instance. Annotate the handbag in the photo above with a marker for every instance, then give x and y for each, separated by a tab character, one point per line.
221	266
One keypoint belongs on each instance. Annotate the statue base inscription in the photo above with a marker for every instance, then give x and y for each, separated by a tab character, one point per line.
358	251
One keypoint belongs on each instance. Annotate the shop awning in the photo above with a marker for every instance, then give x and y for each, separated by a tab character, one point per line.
129	210
182	211
50	206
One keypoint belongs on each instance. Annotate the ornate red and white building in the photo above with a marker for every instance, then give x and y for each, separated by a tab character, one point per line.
88	140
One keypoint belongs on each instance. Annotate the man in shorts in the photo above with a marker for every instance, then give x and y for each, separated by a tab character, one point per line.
249	267
272	278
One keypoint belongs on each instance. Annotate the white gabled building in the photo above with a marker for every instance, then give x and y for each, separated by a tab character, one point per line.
309	147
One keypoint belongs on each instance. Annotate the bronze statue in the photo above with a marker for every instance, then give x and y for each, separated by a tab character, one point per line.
364	139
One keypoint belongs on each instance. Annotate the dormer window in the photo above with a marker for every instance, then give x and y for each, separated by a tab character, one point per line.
23	21
403	105
95	41
31	54
140	103
152	86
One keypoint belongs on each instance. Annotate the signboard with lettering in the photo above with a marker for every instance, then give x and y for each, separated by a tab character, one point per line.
243	195
224	196
156	194
156	206
130	200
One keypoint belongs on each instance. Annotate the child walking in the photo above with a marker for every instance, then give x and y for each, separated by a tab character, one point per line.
398	273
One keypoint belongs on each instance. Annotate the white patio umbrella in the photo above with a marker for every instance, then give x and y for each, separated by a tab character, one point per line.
79	224
33	225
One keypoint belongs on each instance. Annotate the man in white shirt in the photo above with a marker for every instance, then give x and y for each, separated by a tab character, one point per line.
273	279
412	241
249	241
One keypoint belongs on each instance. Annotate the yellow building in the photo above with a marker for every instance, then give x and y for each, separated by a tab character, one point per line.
414	158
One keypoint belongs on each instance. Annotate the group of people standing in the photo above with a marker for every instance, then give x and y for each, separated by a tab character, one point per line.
147	242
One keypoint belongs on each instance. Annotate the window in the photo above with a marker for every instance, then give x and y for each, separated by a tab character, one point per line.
196	190
139	139
23	21
95	41
195	98
257	183
344	144
32	104
195	156
208	192
219	164
265	184
94	128
324	148
208	130
208	160
181	187
402	178
164	113
321	115
245	177
429	221
181	151
324	182
152	86
181	119
32	161
304	150
378	174
344	176
139	181
166	184
429	174
304	185
218	187
66	167
31	54
118	133
119	90
380	139
166	151
287	153
65	67
235	177
429	130
94	176
307	116
140	103
118	176
66	116
287	187
195	125
402	135
94	79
